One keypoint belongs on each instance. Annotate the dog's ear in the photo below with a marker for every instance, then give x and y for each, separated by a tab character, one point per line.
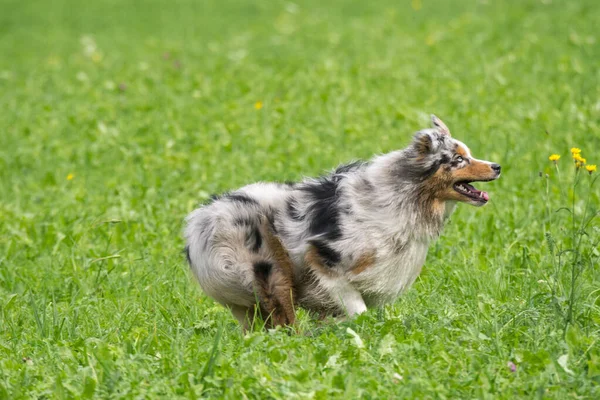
427	141
440	125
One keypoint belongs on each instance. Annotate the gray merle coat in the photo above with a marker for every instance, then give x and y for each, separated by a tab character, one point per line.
337	245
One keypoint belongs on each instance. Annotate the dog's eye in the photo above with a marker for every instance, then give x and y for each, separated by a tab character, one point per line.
459	159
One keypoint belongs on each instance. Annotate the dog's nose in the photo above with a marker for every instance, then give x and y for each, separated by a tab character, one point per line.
497	168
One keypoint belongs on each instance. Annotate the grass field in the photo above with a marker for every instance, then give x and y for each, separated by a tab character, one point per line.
118	118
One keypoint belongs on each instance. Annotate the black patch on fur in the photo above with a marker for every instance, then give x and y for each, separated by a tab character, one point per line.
423	142
186	250
323	210
350	167
292	210
257	240
253	237
415	167
240	197
233	196
445	159
431	170
262	270
329	256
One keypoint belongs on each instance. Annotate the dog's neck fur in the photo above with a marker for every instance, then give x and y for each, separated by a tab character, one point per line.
401	204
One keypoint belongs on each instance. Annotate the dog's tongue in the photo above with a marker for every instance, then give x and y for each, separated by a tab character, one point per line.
480	193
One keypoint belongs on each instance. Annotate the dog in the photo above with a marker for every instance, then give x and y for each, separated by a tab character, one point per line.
337	245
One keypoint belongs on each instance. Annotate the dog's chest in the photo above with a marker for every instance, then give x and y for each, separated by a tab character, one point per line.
392	273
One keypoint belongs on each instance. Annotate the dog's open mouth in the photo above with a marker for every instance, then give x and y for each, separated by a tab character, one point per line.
468	190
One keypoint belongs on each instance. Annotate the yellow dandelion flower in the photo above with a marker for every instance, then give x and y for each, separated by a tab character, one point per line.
258	105
554	157
575	150
70	177
590	168
577	157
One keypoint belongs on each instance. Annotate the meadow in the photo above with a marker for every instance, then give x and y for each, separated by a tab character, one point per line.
119	117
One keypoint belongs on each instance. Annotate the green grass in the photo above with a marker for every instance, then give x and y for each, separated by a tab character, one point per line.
151	107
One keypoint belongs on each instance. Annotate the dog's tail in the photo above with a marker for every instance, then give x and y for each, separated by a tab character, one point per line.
274	281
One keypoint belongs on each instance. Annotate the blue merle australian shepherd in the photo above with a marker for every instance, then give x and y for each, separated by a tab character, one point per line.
335	245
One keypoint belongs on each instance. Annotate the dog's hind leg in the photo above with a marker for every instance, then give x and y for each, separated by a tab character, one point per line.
274	294
244	315
274	281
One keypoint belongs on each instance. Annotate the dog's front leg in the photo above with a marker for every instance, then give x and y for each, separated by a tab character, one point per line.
342	296
348	298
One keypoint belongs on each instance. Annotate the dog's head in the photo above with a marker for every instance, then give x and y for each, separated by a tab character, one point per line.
445	168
